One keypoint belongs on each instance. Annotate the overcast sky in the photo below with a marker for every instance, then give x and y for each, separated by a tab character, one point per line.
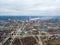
30	7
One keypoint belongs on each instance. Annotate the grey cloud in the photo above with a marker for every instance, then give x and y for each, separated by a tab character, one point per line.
29	7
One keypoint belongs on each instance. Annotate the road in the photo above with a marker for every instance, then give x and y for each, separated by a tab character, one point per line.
14	36
38	40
